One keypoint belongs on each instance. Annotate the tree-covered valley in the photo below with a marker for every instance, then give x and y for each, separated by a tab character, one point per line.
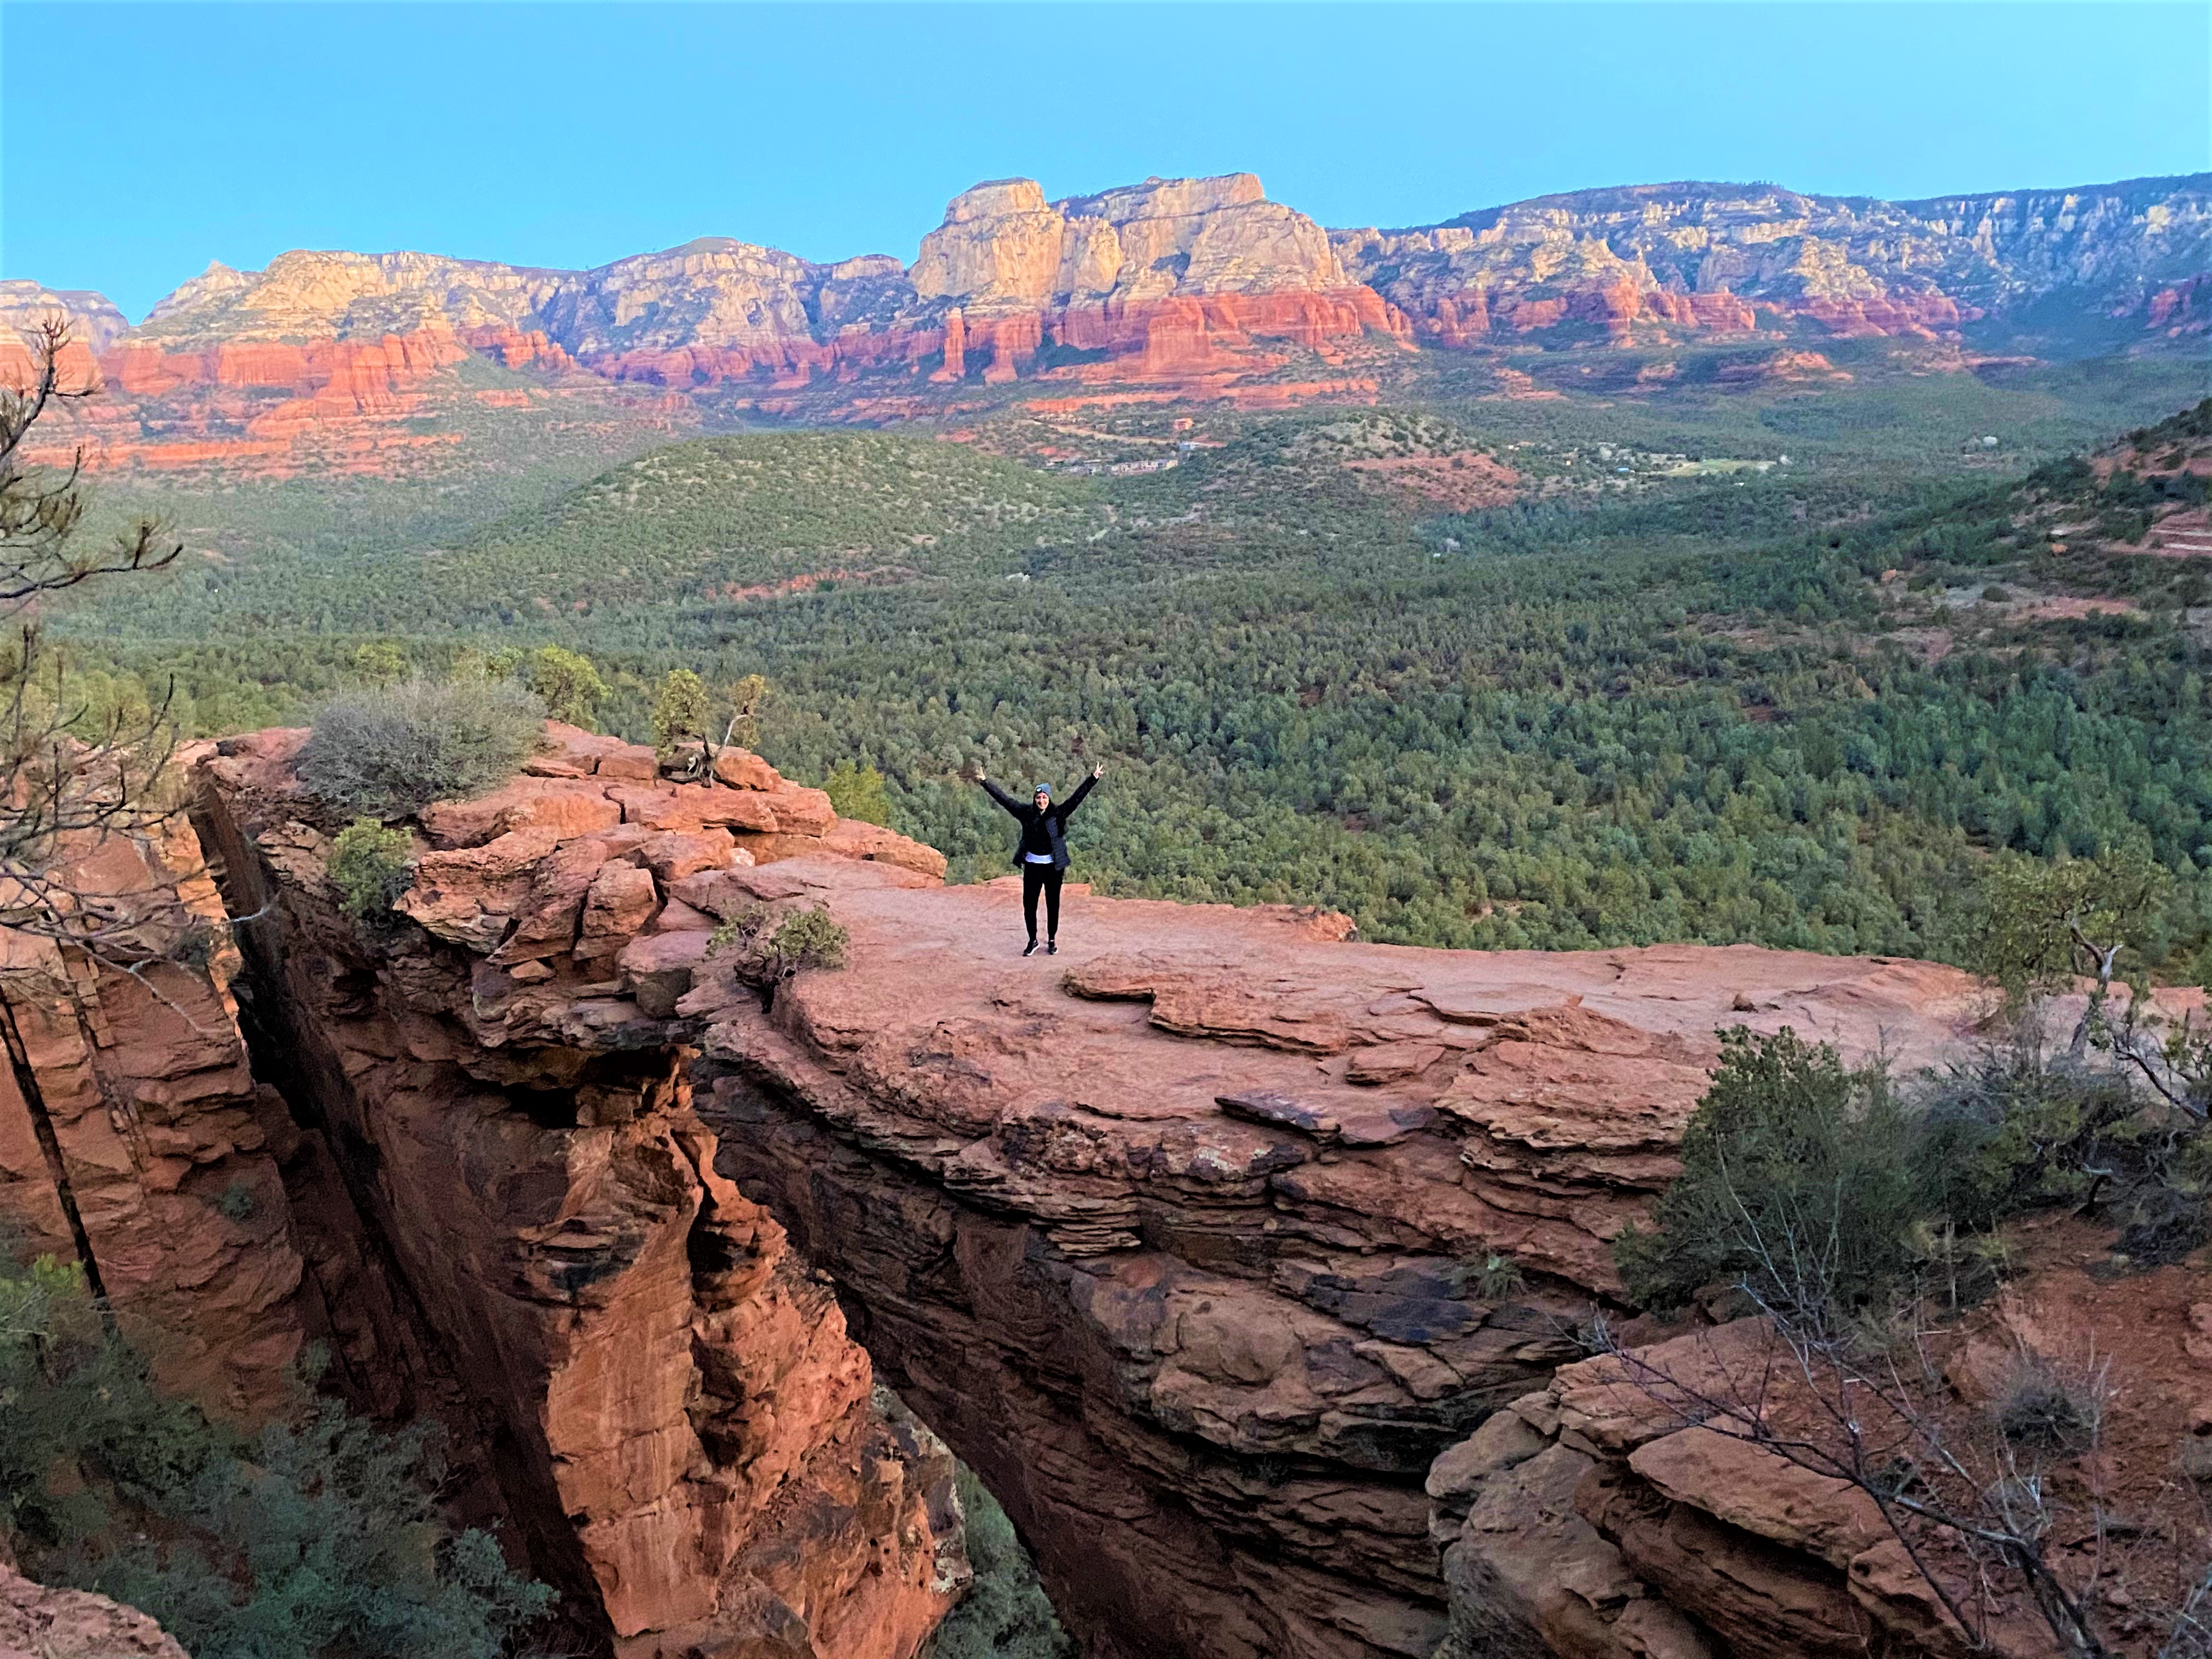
1778	665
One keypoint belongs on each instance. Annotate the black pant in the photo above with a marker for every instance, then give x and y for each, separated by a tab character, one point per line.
1045	878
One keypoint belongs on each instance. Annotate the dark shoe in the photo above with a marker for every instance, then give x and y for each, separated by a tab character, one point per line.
1030	950
1052	947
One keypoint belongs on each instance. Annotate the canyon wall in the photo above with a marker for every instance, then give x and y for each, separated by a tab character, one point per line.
1251	1266
135	1140
1187	287
1635	263
1200	1240
516	1227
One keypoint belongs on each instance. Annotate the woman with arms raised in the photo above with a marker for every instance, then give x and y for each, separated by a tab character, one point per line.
1042	853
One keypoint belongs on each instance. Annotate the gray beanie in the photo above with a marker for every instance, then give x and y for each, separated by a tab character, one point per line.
1041	789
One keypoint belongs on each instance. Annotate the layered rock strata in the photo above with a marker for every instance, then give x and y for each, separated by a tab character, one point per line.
516	1227
1172	289
1202	1241
28	310
1654	260
1169	278
1626	1509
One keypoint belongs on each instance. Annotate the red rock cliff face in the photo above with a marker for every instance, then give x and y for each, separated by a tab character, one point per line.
1177	1236
513	1223
681	1426
134	1140
1170	279
1191	1238
1179	1239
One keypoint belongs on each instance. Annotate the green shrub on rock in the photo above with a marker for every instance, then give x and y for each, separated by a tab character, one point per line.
766	956
807	939
392	750
371	866
1801	1181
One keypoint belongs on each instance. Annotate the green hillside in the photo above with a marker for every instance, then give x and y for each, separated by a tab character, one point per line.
767	509
1675	687
684	527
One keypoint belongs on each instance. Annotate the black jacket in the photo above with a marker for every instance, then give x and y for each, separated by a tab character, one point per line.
1055	818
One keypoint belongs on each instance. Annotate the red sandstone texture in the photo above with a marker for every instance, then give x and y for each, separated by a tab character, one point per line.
37	1622
131	1124
1173	1235
1177	1236
2184	308
1169	1235
1179	1228
519	1230
276	409
1598	1514
694	1443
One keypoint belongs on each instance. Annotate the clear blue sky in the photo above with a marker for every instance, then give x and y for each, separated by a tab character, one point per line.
141	141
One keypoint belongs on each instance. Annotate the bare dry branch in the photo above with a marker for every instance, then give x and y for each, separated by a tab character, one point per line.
72	782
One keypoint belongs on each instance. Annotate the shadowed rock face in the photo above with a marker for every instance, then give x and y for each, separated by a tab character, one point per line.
1200	1240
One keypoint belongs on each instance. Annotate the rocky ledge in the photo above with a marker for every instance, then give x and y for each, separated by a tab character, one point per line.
1202	1240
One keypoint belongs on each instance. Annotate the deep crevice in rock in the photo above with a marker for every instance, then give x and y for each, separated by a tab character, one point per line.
679	1428
42	1125
331	1185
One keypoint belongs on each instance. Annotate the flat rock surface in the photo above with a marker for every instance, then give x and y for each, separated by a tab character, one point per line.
1203	1236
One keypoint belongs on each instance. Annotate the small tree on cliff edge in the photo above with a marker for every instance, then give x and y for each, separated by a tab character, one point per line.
2039	929
686	710
68	777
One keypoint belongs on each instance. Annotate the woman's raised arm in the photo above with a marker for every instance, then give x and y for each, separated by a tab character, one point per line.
1083	789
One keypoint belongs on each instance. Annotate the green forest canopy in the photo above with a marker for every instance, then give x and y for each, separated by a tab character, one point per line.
1769	706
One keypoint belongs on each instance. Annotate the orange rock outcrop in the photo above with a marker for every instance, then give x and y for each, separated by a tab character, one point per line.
1179	1237
519	1227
